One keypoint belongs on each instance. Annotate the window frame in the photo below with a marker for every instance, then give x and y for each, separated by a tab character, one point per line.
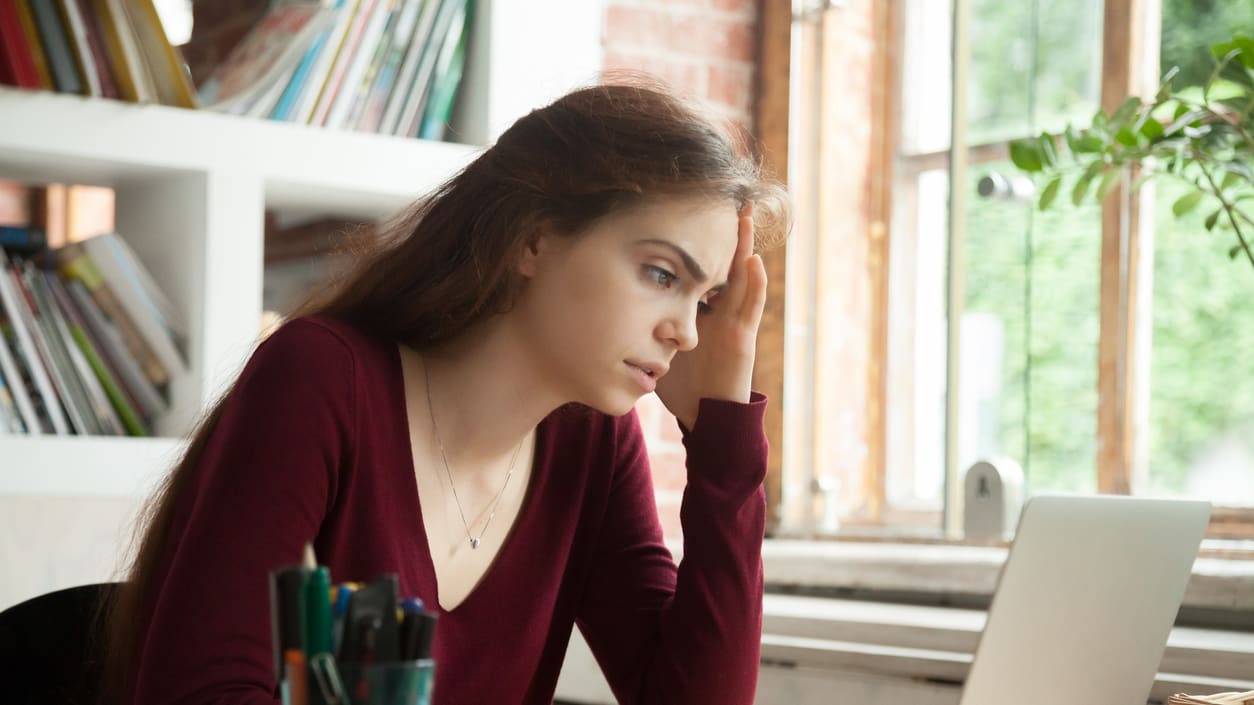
783	108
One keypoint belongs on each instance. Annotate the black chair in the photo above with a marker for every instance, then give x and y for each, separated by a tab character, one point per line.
47	648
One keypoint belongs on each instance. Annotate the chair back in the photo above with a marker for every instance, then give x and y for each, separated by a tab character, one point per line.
48	648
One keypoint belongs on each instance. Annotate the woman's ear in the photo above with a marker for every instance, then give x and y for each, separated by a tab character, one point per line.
536	248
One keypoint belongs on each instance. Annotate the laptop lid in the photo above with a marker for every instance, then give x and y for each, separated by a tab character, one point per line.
1085	601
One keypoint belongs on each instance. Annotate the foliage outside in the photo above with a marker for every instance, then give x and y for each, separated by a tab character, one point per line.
1201	135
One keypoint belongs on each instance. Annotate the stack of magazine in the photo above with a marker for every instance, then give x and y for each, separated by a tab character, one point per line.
384	66
1246	698
89	344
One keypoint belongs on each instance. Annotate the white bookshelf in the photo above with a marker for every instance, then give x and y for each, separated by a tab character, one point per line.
192	188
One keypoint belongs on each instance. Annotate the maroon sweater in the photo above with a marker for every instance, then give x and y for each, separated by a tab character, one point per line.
313	442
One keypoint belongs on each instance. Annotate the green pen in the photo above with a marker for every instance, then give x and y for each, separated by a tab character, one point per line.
318	634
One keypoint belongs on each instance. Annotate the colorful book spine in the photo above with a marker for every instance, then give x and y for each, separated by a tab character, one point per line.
35	359
56	42
27	17
16	53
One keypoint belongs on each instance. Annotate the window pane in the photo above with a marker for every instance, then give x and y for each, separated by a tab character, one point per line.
1201	414
1030	333
1034	66
1201	435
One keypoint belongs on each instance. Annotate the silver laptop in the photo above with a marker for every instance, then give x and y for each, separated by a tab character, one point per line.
1086	600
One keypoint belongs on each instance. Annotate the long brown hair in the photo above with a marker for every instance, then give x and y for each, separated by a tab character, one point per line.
447	262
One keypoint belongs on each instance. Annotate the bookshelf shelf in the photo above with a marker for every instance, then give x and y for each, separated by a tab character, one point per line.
51	137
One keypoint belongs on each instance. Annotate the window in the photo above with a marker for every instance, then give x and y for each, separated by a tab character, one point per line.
886	253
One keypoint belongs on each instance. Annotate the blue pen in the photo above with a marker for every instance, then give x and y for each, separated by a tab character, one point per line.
343	593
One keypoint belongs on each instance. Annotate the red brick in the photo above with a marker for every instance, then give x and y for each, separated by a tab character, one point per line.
637	26
731	86
669	471
712	38
743	7
668	513
683	77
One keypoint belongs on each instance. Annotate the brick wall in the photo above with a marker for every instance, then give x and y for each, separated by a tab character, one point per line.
704	49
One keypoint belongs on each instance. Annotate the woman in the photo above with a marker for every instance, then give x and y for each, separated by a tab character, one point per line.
459	412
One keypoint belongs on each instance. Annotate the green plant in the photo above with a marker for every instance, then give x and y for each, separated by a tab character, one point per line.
1201	134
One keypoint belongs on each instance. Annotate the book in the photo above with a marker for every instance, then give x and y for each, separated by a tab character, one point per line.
15	51
30	354
142	393
74	264
268	54
153	315
81	382
119	263
409	67
377	51
56	43
10	421
106	392
418	92
27	18
14	379
23	239
76	37
319	72
385	81
134	82
1246	698
169	73
96	47
448	76
65	383
343	60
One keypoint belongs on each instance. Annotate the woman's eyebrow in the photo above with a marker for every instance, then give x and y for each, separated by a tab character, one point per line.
689	262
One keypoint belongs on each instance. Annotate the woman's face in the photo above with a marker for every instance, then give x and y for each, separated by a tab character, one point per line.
604	313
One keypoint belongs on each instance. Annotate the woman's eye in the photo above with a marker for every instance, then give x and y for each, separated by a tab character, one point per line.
660	276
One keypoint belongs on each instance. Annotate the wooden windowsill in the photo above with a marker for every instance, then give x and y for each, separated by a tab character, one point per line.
955	574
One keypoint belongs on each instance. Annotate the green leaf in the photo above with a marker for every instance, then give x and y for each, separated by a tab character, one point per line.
1212	219
1047	149
1126	111
1126	136
1230	179
1222	49
1081	189
1050	192
1236	250
1025	155
1246	45
1089	144
1186	203
1109	179
1152	129
1183	120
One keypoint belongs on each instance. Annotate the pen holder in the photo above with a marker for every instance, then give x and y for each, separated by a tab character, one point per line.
391	683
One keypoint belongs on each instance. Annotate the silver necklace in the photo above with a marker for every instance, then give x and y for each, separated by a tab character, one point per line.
474	540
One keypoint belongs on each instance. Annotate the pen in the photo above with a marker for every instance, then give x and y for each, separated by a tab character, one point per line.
287	588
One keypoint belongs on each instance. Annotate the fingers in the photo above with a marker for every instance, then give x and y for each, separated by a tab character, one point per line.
733	295
755	292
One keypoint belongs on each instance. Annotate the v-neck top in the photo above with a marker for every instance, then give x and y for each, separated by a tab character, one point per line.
312	443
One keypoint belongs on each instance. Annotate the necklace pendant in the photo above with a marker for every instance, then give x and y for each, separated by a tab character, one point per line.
474	542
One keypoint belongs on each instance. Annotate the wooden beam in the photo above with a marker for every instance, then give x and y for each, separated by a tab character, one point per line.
771	118
885	102
1129	67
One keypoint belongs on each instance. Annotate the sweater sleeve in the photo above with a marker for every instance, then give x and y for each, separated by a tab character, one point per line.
259	492
692	634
